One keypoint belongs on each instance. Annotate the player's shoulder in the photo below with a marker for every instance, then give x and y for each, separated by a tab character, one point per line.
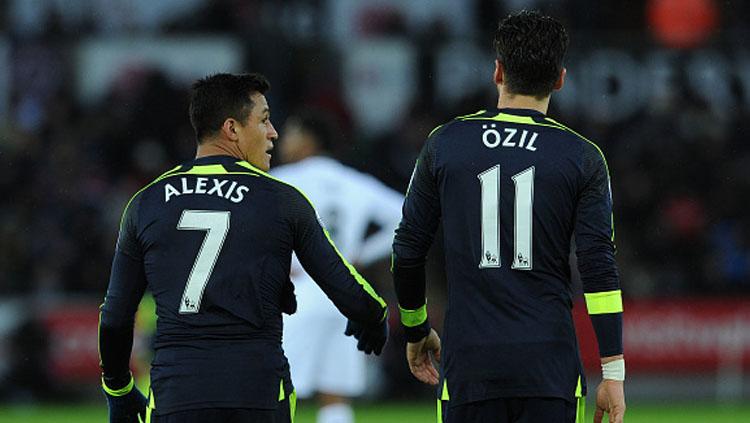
135	200
590	149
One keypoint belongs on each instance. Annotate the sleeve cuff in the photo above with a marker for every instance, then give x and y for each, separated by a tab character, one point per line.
608	329
120	391
417	333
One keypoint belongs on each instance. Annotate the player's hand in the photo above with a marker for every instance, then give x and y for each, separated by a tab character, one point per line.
128	408
610	398
370	338
419	356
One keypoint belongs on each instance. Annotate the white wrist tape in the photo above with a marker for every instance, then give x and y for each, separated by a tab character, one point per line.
614	370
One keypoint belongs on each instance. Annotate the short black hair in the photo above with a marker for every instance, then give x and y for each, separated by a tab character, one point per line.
531	47
321	126
215	98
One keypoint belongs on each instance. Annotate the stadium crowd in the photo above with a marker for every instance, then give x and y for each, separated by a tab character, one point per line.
679	172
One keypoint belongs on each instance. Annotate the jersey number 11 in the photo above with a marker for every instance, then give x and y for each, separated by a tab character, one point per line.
522	222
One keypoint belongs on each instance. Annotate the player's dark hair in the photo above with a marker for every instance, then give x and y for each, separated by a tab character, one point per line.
215	98
531	48
321	126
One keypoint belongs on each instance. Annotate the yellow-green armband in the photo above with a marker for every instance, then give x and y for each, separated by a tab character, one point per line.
604	302
412	318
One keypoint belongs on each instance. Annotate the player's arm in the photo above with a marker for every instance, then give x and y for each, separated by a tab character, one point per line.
126	286
339	280
384	210
595	248
414	235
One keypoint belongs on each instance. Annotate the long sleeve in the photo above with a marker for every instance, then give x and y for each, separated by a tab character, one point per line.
595	248
339	280
414	236
127	283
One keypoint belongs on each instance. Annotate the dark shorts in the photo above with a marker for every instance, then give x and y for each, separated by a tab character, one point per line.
283	414
513	410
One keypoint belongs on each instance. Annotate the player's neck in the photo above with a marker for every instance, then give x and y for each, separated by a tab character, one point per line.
515	101
213	148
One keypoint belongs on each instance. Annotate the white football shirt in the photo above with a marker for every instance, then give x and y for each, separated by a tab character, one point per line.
348	202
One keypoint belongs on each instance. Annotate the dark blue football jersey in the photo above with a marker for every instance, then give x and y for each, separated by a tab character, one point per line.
212	240
511	187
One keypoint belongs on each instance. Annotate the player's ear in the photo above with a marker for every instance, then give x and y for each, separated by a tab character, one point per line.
560	80
229	129
498	75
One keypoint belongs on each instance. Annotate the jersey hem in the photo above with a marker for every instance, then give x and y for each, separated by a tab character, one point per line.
161	411
505	393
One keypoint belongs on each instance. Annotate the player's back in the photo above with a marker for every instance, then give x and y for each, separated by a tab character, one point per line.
216	247
508	183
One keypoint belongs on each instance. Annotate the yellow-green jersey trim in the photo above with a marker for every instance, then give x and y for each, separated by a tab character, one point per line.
435	129
580	410
470	115
604	302
445	396
293	405
282	394
580	402
360	280
211	169
412	318
119	392
151	405
506	117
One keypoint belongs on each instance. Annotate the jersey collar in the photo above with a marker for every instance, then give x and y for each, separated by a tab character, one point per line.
217	159
518	112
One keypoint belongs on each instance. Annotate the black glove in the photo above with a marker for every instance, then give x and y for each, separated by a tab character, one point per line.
371	338
125	406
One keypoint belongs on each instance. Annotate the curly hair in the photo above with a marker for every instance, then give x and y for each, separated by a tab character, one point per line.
531	48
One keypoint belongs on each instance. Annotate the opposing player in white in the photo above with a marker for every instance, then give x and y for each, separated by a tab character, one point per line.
323	361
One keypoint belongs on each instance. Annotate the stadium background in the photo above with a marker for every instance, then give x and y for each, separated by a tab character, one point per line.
93	105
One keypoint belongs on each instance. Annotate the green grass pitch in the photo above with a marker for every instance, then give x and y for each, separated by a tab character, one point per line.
396	413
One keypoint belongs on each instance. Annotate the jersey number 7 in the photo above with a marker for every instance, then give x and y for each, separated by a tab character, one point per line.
216	225
522	224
